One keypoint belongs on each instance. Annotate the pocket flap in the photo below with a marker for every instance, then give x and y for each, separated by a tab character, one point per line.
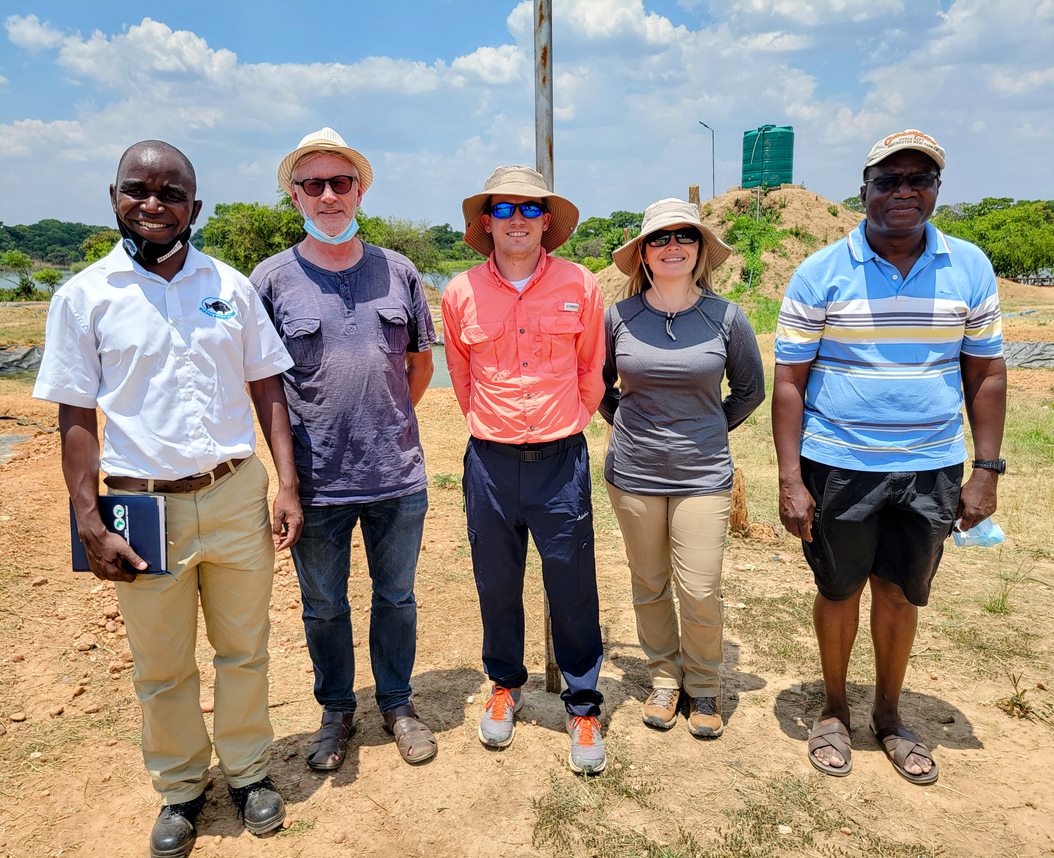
301	327
393	315
475	334
560	323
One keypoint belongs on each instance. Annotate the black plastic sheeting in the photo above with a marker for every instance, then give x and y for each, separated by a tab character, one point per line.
1029	355
20	359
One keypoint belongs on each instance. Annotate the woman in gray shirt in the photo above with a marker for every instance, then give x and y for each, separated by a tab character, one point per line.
668	468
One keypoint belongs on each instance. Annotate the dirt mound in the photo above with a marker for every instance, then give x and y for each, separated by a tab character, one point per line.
812	220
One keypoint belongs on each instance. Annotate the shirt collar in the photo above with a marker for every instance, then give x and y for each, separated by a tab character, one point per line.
117	261
936	243
543	263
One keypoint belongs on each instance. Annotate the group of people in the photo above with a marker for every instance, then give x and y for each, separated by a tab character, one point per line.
882	337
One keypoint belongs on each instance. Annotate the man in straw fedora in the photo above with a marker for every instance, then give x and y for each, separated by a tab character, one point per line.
356	322
882	338
525	348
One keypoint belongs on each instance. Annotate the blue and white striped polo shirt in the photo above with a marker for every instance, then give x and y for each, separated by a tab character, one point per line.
885	390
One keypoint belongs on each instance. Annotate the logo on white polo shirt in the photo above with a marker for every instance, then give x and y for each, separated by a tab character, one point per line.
217	308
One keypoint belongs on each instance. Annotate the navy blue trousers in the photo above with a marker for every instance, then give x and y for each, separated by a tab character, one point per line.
505	499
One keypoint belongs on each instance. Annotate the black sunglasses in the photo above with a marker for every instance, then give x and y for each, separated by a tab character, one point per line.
916	181
685	235
315	187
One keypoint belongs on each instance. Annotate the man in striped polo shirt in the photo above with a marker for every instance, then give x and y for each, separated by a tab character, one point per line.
882	338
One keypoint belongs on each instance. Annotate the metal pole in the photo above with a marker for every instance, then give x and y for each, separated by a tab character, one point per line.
543	154
713	175
543	89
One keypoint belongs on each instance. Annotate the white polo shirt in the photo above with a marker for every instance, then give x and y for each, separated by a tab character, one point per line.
166	362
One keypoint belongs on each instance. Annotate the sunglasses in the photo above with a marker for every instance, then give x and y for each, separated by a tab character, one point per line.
916	181
683	236
315	187
503	211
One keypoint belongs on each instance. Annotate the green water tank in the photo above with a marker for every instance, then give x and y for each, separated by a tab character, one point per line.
768	156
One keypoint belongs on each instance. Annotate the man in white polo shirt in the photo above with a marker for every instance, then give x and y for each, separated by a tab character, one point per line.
163	340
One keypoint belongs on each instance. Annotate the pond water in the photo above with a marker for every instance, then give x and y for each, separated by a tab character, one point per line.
7	445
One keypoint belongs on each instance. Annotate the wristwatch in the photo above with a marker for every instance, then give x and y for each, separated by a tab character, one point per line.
997	465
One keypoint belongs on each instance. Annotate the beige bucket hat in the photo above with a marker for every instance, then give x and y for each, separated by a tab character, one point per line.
908	139
664	214
324	140
516	181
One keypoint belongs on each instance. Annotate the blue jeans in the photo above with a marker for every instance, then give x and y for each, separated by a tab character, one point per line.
391	533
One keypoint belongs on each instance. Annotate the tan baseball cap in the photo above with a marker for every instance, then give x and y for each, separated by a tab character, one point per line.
910	138
324	140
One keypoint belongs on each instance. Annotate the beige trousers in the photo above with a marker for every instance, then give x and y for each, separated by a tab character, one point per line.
219	550
679	540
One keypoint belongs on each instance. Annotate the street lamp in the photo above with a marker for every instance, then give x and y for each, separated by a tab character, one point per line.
713	180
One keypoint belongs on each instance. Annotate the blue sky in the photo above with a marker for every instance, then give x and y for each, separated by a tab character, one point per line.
438	93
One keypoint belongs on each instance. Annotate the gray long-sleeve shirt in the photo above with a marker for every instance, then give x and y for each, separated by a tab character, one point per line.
663	396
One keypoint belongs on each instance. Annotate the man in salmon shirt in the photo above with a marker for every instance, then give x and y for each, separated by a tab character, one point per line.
525	348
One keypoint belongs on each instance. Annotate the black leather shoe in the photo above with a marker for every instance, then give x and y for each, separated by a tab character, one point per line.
261	807
329	745
173	833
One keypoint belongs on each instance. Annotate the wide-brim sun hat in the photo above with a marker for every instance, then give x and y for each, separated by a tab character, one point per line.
328	141
516	181
910	138
662	215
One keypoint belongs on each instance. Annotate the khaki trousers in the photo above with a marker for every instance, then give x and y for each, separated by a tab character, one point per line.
679	540
219	550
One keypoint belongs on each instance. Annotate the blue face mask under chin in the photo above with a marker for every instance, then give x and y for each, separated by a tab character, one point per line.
345	235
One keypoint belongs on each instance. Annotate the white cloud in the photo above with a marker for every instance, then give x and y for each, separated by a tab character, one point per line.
630	87
29	33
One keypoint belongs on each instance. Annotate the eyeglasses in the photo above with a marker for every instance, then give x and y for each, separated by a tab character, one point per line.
315	187
662	238
916	181
503	211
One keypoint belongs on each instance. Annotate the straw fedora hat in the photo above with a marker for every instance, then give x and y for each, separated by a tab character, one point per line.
664	214
324	140
517	181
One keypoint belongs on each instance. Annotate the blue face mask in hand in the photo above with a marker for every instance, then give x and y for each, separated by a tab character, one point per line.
345	235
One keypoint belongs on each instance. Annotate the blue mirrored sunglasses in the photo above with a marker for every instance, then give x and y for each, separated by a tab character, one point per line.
503	211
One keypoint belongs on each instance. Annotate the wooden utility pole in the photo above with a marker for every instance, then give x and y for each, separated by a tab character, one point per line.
543	153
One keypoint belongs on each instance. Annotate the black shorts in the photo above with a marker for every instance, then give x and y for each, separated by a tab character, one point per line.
889	524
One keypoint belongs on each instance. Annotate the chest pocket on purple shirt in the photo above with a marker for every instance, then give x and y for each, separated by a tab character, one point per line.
484	340
303	339
559	341
394	336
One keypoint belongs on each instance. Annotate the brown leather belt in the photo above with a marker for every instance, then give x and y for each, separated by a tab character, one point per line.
180	486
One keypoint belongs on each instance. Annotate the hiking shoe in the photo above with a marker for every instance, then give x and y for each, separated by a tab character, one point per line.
260	805
660	709
587	745
498	725
704	718
174	832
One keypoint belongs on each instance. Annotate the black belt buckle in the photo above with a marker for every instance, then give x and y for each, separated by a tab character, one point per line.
532	455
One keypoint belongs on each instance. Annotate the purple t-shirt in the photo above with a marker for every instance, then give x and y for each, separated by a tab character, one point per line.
355	436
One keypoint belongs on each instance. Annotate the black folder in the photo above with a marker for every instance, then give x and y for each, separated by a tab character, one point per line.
140	519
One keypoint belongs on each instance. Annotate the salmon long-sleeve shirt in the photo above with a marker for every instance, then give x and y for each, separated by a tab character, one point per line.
526	366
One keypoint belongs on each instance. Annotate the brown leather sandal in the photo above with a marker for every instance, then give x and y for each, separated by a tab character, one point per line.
329	745
414	740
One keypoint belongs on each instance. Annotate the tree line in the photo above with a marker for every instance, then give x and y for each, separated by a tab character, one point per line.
1017	236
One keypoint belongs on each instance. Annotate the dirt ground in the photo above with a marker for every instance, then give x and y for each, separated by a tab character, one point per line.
72	780
978	687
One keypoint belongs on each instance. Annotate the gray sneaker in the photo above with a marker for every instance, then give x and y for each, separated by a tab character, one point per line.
498	726
587	745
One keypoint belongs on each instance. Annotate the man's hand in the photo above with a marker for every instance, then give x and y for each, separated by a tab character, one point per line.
288	519
977	500
110	558
796	508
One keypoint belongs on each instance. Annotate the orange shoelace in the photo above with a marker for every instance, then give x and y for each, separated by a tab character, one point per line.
585	725
499	701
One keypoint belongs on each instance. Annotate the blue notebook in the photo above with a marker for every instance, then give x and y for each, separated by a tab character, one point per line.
140	519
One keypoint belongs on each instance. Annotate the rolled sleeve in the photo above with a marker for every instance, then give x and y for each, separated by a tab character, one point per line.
591	348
